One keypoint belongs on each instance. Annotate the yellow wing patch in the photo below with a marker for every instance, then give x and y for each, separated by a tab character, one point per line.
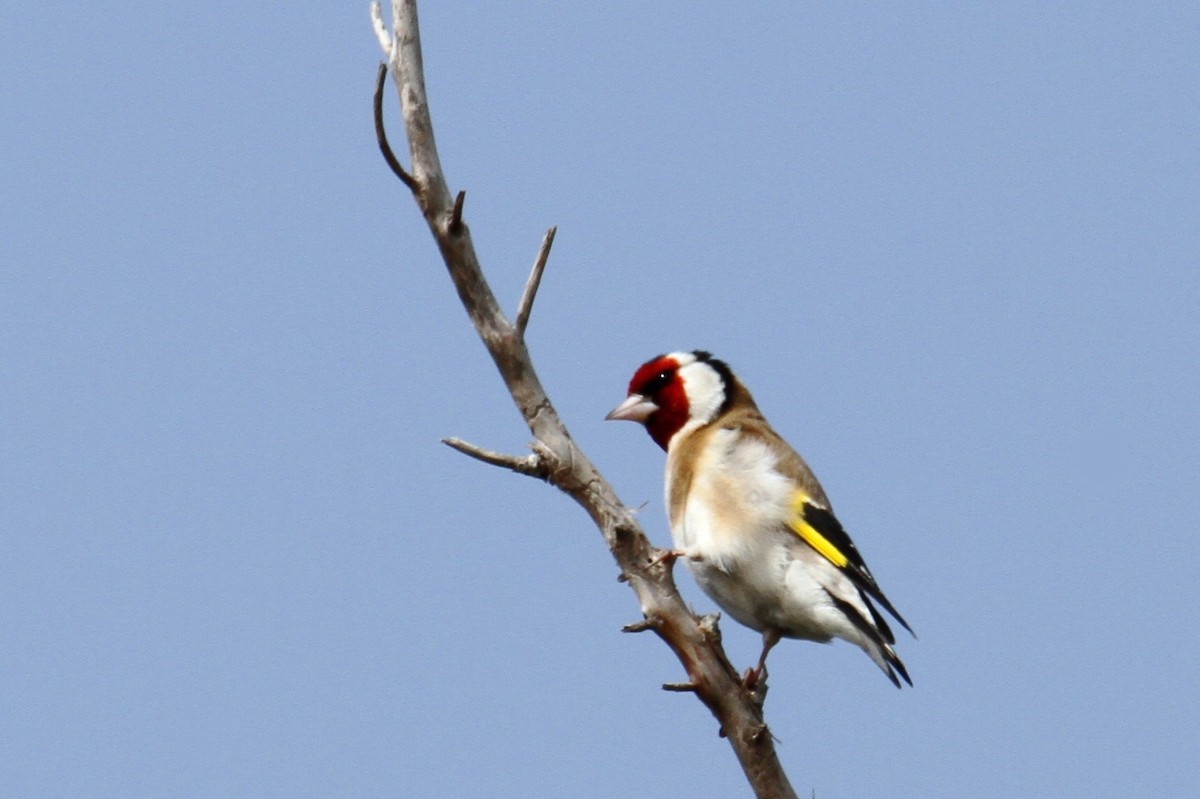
809	533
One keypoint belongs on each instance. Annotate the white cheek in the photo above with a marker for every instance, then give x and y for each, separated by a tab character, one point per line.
705	390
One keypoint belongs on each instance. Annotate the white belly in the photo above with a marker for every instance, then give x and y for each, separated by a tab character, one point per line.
733	525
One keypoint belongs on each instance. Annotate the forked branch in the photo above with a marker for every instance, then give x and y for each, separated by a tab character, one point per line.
556	459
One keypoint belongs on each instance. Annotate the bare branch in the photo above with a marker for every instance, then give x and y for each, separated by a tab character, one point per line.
525	307
529	464
695	642
407	67
381	31
381	134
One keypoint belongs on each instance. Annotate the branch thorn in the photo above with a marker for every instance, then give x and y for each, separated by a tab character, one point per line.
456	215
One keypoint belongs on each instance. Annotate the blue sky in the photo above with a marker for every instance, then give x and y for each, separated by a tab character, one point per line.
952	249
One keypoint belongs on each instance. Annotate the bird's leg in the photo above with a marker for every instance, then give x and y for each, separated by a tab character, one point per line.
753	676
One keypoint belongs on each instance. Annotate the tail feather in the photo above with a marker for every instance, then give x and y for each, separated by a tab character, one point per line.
878	643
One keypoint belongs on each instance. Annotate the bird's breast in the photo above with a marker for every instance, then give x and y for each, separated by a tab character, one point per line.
732	502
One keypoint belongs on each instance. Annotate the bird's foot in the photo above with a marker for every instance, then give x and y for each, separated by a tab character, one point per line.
754	677
667	557
754	681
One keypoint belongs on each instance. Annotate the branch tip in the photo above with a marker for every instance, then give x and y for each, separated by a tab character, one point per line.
386	42
638	626
530	465
381	134
525	306
681	687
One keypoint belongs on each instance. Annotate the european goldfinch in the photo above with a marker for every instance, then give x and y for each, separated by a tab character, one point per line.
750	518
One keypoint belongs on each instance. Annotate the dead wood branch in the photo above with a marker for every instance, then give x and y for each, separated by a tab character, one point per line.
556	458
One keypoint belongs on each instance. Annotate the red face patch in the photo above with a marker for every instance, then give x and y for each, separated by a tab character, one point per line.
658	380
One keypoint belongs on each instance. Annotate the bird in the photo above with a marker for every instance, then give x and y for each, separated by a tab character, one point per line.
749	517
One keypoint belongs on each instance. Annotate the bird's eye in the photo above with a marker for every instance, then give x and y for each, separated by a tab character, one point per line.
658	382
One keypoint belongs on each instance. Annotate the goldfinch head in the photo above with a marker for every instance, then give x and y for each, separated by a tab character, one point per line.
671	391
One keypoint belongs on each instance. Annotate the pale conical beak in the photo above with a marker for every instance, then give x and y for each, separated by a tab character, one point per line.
635	408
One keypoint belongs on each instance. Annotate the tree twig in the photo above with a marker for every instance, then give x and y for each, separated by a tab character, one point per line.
530	465
386	42
681	687
694	641
381	134
525	306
